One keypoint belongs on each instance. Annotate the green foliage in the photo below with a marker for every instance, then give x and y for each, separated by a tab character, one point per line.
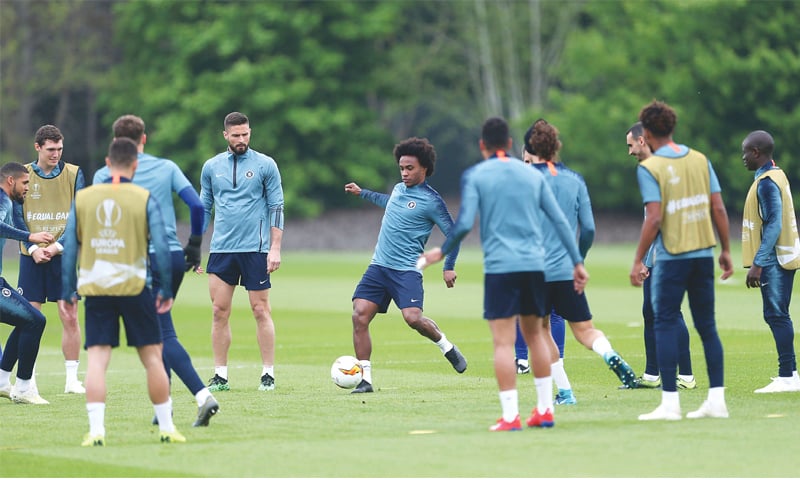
727	67
331	86
302	71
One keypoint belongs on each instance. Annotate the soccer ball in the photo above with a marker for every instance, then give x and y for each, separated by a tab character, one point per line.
346	372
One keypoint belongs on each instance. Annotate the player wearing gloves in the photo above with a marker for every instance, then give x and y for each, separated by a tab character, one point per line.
162	177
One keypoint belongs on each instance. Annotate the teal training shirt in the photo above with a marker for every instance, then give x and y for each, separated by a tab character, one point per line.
161	177
7	229
408	220
246	195
514	203
572	196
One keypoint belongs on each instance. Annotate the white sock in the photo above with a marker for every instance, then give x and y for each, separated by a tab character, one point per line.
652	378
202	396
222	371
97	414
367	370
164	415
544	393
686	378
22	386
444	344
671	401
716	395
560	375
72	370
602	346
270	370
509	402
5	377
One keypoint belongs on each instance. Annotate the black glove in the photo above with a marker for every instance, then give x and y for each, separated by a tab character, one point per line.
191	252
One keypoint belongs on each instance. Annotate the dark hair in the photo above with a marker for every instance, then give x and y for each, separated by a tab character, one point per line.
658	118
235	118
13	170
122	152
48	132
636	130
420	148
543	140
761	140
494	133
129	126
527	145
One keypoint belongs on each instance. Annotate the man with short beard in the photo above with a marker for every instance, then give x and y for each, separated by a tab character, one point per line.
15	310
243	187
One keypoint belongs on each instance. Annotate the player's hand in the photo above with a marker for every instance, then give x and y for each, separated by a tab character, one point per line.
450	278
273	260
352	188
429	258
162	305
40	255
41	237
753	279
580	277
638	273
191	252
726	264
68	309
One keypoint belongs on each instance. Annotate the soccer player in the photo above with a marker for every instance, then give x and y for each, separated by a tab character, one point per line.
683	206
542	142
771	250
514	251
15	310
411	211
54	183
565	396
111	225
638	148
162	177
243	187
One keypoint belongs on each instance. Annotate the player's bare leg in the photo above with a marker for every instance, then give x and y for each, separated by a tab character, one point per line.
221	299
430	330
265	334
363	313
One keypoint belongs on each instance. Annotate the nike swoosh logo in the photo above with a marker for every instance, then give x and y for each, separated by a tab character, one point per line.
414	300
262	282
220	175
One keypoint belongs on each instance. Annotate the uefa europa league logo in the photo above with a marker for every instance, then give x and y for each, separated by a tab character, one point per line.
108	213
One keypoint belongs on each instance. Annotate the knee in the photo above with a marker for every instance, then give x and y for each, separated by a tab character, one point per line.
220	313
414	320
38	322
261	311
360	321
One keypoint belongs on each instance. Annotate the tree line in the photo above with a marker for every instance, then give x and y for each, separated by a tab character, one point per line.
331	86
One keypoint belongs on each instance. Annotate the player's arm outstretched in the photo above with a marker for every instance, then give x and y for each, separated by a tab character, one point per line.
379	199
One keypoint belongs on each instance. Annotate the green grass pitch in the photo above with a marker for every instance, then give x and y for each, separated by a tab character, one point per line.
424	420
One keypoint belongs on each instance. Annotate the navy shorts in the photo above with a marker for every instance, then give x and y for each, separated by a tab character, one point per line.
380	285
246	269
138	314
562	297
516	293
40	282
